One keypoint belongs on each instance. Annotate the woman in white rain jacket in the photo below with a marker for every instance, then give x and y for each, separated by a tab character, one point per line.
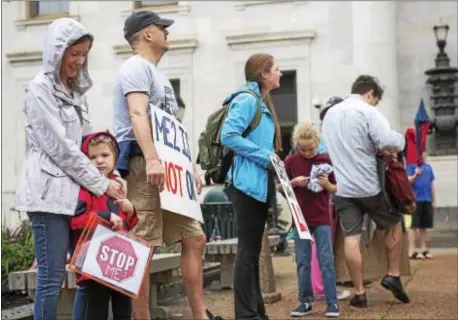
55	119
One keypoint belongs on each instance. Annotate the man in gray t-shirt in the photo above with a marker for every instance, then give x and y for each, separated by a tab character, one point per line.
138	84
354	130
138	74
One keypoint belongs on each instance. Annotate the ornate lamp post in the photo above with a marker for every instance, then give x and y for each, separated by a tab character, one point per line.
442	80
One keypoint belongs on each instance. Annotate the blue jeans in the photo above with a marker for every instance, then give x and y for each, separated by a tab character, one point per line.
51	235
92	302
323	241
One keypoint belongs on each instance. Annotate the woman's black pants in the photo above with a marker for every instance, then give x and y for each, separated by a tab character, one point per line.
251	217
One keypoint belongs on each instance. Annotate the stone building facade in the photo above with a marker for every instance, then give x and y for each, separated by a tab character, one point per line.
320	47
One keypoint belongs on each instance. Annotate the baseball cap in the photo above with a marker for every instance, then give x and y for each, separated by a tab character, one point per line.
333	101
141	19
330	103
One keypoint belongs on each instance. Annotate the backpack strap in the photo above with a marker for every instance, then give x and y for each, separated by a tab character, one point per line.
254	122
257	116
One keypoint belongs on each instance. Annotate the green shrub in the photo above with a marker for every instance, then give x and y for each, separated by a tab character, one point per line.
174	248
17	250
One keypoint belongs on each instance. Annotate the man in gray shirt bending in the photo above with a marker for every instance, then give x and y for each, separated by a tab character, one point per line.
354	130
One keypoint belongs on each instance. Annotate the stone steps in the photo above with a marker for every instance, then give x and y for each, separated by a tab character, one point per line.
24	312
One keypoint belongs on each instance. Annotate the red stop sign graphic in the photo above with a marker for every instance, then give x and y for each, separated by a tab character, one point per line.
117	259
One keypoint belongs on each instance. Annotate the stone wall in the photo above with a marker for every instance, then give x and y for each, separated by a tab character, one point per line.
417	50
446	172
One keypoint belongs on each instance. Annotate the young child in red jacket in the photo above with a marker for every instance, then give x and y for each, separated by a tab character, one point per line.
92	298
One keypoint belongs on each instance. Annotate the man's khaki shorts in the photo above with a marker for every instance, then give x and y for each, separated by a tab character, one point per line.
156	226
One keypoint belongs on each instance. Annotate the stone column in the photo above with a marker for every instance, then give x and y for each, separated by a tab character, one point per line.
374	50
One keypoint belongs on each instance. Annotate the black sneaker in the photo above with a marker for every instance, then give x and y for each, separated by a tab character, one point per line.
359	300
394	285
211	316
349	284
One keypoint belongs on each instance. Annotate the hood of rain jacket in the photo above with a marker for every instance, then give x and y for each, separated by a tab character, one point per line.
61	34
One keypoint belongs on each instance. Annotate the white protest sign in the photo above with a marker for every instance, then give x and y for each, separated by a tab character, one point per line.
298	217
172	144
116	259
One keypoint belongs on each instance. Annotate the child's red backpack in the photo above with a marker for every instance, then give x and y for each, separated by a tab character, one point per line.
397	182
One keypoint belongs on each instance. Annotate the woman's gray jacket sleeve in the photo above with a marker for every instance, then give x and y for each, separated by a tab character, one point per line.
51	135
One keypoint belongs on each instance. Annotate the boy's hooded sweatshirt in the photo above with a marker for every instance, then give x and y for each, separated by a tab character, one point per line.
103	205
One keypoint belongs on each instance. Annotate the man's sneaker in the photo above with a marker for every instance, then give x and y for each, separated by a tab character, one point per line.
349	284
332	310
211	316
304	309
394	285
359	300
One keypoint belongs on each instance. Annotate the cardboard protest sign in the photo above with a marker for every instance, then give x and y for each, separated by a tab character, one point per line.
172	144
296	212
111	258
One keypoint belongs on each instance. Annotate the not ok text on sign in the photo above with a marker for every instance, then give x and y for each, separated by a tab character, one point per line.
172	144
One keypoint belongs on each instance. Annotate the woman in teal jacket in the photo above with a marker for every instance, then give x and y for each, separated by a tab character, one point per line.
249	175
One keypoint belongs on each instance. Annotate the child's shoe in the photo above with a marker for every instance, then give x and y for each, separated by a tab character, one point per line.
304	309
341	295
332	310
344	295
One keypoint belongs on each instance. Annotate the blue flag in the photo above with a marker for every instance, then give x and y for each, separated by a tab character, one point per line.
422	123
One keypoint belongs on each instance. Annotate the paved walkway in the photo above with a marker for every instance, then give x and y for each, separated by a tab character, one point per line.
432	289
